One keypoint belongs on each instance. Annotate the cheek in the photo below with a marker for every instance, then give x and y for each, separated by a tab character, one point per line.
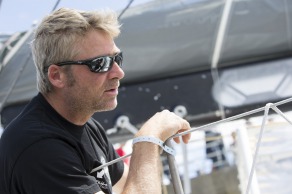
93	84
70	81
83	79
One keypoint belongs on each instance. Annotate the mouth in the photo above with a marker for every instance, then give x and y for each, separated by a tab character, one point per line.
113	89
112	92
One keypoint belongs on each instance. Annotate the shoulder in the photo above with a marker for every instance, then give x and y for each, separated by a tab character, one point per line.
47	150
51	165
47	158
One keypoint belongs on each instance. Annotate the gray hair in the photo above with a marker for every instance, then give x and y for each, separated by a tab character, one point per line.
57	36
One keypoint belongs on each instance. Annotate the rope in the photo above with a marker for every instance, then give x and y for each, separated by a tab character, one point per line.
208	127
21	69
56	5
218	48
125	9
267	108
110	163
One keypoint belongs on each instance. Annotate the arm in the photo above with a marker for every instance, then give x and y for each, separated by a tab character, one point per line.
144	173
119	186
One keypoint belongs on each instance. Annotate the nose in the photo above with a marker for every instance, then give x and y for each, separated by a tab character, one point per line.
116	71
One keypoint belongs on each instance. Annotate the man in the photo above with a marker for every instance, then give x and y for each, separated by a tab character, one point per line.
54	144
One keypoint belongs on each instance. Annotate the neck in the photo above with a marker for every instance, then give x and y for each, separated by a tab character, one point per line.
67	110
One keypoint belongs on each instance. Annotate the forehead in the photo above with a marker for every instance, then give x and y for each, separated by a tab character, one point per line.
96	43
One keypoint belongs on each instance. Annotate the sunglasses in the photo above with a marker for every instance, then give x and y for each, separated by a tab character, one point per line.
98	64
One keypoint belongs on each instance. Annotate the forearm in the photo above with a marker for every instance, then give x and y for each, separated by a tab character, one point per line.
144	174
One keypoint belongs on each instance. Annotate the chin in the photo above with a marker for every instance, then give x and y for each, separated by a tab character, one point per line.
108	107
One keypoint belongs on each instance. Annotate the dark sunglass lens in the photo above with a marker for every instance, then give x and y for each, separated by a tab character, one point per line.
107	64
104	64
97	64
119	59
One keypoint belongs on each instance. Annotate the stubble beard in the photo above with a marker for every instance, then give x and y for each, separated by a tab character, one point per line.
81	99
84	101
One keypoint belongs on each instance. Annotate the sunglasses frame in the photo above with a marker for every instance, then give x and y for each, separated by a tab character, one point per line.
107	61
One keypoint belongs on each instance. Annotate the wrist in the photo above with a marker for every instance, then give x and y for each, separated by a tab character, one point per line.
154	140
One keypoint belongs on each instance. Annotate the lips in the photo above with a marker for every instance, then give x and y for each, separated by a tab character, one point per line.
112	92
113	89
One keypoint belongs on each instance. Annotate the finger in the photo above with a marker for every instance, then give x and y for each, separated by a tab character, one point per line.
186	138
185	125
176	139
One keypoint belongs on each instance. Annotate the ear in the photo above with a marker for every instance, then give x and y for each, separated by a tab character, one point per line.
56	76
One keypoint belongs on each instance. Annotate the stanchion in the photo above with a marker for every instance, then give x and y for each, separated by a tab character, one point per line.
177	185
176	182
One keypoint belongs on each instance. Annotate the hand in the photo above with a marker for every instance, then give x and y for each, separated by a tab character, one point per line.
164	125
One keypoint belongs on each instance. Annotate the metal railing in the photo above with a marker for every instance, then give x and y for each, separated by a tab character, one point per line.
171	159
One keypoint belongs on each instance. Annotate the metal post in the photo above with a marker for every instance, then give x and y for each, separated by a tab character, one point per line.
176	182
182	112
246	161
186	177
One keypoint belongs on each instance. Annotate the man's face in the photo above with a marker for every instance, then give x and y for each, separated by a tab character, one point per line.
89	91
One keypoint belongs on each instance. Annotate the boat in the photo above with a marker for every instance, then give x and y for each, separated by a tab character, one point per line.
204	60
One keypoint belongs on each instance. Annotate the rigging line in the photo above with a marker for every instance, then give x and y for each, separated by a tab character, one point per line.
125	9
221	33
267	108
21	69
281	113
110	163
289	34
7	59
215	77
200	128
207	126
218	48
56	5
14	81
275	108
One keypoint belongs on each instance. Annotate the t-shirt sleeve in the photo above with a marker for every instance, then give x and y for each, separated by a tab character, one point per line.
52	166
